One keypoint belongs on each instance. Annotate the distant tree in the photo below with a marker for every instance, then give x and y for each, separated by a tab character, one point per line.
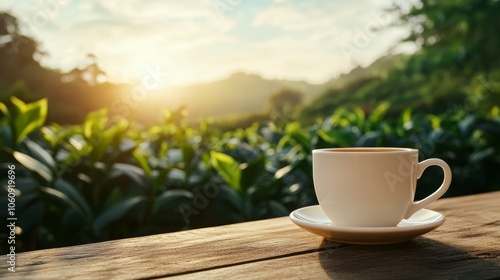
459	36
16	50
22	75
285	100
8	24
90	73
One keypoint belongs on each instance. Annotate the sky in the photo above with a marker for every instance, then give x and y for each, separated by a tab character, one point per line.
194	41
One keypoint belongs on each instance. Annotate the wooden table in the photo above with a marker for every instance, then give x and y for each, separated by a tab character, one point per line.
466	246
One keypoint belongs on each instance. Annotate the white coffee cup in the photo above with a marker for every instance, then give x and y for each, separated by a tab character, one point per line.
371	187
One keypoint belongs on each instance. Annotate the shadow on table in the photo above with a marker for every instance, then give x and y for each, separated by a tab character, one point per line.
415	259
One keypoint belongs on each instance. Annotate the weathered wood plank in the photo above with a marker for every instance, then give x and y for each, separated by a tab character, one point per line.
420	258
167	254
467	246
468	241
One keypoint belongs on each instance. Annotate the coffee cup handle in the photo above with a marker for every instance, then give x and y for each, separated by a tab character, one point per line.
438	193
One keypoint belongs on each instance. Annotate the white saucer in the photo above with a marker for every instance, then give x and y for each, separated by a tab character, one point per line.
313	219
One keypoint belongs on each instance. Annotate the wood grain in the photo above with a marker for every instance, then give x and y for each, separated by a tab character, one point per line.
466	246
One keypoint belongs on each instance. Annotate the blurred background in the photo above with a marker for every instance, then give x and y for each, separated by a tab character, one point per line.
129	118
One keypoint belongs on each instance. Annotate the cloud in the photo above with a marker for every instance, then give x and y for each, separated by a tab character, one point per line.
292	17
341	33
208	39
125	35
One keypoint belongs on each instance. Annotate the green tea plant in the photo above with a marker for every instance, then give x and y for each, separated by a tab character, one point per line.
110	178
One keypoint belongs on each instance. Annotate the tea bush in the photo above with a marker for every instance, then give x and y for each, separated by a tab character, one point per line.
110	178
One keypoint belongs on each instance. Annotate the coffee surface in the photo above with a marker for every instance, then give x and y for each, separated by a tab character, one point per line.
365	150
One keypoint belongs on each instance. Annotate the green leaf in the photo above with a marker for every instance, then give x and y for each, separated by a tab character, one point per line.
303	139
406	116
31	117
435	121
292	127
495	111
177	176
467	125
284	141
143	162
19	105
116	212
228	169
6	137
101	142
370	139
188	153
70	191
296	133
133	172
4	110
49	136
159	178
163	150
62	197
33	165
276	209
360	117
282	172
95	133
228	207
171	198
252	172
379	112
340	136
26	184
41	154
94	123
481	156
338	117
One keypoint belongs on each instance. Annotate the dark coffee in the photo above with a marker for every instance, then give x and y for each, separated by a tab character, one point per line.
365	150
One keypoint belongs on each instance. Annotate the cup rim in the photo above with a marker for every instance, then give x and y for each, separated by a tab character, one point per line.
365	150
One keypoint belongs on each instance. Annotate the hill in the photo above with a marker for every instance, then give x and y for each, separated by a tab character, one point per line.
238	94
71	96
243	94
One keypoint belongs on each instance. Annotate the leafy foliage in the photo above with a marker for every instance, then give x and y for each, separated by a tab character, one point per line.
107	179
